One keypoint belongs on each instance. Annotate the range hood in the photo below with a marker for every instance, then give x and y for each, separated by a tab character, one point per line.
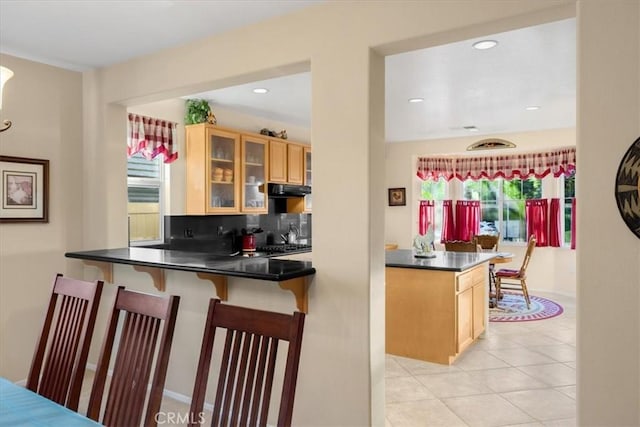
288	190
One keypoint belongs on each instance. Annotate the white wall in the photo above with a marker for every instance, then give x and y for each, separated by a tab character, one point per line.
608	254
253	123
551	269
45	105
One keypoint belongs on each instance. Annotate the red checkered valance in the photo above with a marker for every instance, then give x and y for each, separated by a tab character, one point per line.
436	167
151	137
561	161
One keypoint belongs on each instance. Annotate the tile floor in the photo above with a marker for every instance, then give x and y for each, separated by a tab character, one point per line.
522	373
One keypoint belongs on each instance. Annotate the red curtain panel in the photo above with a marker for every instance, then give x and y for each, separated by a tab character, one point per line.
537	221
467	219
555	238
448	226
427	216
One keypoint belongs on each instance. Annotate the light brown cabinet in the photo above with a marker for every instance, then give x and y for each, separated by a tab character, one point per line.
255	160
295	164
213	169
464	307
286	162
470	307
434	315
277	161
226	171
479	303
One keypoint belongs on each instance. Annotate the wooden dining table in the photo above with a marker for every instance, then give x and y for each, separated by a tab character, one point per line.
20	406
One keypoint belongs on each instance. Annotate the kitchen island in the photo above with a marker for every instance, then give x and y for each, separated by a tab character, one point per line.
290	275
435	307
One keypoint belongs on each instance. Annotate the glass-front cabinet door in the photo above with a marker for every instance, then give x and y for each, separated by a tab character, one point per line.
254	174
307	178
224	169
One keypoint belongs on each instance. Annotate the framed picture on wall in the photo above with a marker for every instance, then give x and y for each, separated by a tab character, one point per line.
24	190
397	197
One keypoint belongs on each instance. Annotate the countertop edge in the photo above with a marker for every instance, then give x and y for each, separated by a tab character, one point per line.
444	261
221	271
420	267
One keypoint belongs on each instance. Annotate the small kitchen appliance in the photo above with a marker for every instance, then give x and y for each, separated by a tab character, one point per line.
249	239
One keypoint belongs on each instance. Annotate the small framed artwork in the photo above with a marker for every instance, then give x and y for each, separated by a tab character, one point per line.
24	190
397	197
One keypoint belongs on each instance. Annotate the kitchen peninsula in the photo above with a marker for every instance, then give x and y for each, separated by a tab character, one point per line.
290	275
435	307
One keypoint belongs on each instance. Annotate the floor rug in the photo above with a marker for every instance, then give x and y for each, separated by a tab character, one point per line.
513	308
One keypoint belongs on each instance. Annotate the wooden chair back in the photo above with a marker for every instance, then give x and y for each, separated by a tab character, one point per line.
60	358
248	360
527	256
516	279
460	246
488	241
142	317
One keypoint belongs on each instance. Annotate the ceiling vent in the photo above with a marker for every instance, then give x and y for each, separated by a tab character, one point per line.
491	144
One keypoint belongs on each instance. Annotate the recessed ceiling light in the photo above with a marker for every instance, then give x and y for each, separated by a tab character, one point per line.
532	107
260	90
416	100
485	44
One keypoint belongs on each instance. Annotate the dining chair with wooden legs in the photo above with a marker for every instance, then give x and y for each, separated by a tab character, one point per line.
60	358
516	279
143	315
246	374
489	243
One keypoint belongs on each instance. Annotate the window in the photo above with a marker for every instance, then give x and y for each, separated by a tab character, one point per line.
145	195
569	195
437	191
502	203
487	192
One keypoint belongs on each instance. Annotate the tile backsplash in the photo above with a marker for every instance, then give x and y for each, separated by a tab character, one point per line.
220	233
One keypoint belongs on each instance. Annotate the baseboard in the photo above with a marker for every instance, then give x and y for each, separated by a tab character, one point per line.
182	398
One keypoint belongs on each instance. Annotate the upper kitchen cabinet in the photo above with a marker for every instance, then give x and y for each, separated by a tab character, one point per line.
213	168
295	164
286	162
228	170
254	174
277	161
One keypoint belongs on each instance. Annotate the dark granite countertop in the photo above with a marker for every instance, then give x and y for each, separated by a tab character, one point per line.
446	261
252	268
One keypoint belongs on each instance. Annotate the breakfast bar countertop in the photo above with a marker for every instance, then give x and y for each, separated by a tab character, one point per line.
261	268
445	261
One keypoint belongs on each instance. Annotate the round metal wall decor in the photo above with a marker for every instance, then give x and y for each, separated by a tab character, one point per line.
628	188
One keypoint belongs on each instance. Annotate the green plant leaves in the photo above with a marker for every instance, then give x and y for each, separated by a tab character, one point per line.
196	111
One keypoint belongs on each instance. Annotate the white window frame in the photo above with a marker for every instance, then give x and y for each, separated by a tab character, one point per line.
551	187
438	207
160	183
563	198
500	200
